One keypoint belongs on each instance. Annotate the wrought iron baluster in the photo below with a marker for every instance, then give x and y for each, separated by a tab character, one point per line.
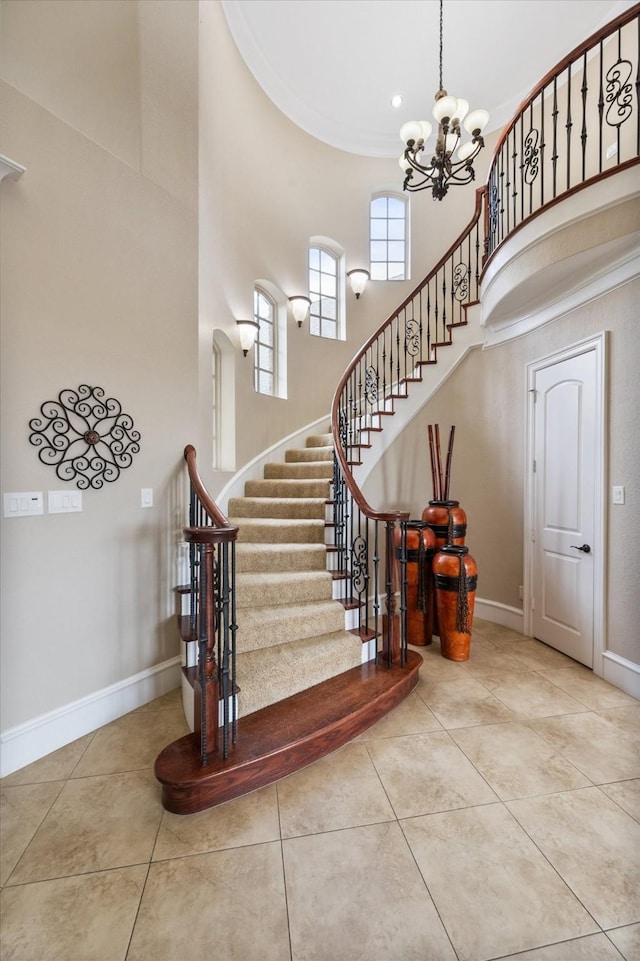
514	195
583	135
554	155
601	108
569	126
521	169
542	148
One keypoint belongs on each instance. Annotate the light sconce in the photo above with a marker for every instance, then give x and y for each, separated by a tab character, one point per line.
358	278
300	308
248	331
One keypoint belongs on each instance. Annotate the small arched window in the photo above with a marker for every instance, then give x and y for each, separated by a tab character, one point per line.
326	290
388	237
265	352
270	353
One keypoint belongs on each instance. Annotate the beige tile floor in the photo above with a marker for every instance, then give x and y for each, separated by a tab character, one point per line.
494	814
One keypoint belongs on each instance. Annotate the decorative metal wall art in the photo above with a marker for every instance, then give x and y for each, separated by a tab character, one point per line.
85	437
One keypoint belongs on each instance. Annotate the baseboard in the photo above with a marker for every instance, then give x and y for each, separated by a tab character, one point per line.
622	673
510	617
29	742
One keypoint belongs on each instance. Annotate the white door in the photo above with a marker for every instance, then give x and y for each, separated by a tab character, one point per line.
565	489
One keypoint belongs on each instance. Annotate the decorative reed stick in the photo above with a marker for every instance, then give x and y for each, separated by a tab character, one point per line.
448	468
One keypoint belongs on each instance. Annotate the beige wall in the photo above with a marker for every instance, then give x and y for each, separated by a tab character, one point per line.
99	286
265	188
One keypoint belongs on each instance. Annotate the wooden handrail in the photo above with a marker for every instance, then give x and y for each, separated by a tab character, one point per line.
204	497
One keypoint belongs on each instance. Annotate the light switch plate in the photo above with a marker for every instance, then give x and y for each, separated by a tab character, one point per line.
146	497
23	504
64	502
617	494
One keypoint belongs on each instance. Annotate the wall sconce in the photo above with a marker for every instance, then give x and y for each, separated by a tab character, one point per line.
299	308
248	331
358	278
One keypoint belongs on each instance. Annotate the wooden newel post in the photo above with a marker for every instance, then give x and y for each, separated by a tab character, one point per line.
391	620
206	687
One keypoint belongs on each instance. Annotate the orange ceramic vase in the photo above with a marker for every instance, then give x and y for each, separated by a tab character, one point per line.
455	576
419	578
438	516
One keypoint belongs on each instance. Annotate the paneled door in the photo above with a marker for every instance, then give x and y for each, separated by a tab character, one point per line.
566	394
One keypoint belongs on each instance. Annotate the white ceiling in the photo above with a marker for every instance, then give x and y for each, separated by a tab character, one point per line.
332	66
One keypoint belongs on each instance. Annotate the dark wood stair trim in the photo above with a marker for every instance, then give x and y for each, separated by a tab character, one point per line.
284	737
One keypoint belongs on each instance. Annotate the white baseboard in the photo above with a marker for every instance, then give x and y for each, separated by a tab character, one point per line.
622	673
510	617
29	742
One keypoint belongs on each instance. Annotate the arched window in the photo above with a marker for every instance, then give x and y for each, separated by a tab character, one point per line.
270	353
326	289
388	237
265	355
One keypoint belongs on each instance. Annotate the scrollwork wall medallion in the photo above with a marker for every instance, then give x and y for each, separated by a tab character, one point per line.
86	438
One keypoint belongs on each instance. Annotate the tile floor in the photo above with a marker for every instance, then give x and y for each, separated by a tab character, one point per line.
494	814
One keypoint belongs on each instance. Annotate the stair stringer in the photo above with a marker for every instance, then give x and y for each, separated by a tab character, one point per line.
465	338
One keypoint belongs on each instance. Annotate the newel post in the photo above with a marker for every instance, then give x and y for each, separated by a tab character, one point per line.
206	685
391	621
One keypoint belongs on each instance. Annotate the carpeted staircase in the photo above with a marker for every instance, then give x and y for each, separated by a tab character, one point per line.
291	632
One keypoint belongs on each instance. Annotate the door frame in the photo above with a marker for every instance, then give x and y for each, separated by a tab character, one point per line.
597	343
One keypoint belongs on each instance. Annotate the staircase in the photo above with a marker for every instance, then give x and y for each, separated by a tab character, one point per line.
308	679
304	687
292	634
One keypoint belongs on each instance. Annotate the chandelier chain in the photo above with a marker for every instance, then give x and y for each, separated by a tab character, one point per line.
441	87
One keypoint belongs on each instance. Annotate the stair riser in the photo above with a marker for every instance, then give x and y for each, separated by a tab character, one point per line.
293	667
319	440
314	470
308	534
259	636
286	509
267	562
288	488
308	454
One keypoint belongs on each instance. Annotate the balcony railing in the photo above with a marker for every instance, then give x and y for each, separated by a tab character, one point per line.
579	124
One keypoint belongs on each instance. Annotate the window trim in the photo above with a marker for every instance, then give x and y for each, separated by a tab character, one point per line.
404	200
278	302
337	252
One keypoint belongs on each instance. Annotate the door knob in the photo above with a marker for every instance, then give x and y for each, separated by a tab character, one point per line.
586	549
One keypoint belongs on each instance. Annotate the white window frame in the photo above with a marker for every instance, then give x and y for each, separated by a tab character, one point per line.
336	252
278	302
380	234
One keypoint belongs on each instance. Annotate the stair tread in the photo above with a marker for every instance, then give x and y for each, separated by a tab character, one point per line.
284	737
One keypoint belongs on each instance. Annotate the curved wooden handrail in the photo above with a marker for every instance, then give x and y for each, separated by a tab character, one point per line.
220	521
354	489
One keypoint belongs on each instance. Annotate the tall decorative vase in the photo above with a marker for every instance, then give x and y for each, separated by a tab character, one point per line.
419	577
448	522
455	577
438	516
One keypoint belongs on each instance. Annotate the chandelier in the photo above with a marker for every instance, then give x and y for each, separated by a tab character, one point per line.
452	162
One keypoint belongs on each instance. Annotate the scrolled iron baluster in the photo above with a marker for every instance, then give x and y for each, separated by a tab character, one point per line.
531	157
412	338
359	564
460	282
619	93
